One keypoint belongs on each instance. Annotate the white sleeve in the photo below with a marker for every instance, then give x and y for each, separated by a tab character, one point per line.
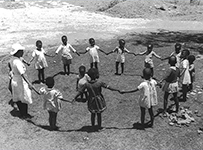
184	64
33	53
140	86
71	47
126	50
42	90
87	49
20	67
58	49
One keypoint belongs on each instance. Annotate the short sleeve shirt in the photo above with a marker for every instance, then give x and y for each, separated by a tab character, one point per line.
66	49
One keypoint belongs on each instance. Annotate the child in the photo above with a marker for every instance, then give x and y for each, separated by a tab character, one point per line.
191	59
66	55
52	101
82	78
120	50
171	84
185	73
96	102
177	54
149	96
94	56
148	63
40	60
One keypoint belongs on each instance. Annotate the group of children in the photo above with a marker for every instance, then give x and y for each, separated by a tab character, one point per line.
181	65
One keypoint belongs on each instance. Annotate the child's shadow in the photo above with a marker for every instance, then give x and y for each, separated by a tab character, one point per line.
15	113
45	127
36	82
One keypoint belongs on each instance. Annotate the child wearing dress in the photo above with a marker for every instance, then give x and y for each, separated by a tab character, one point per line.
148	97
66	56
191	59
185	73
171	84
96	102
120	59
93	52
148	63
40	60
177	54
52	101
82	78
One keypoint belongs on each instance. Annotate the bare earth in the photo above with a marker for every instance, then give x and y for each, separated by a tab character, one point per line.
139	22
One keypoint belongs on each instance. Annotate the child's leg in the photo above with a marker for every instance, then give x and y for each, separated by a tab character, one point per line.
122	68
151	116
93	119
50	119
68	67
54	117
20	107
39	75
96	65
142	115
117	64
91	65
64	68
99	120
175	95
42	73
166	94
152	70
185	90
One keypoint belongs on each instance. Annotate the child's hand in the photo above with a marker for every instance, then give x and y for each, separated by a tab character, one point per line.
73	101
121	92
135	54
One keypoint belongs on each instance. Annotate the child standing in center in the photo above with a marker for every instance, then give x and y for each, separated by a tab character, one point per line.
148	99
93	52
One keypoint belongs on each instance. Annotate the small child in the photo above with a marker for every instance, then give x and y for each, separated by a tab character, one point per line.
185	72
66	55
120	50
94	56
148	63
191	59
177	54
171	84
40	60
149	96
82	78
52	101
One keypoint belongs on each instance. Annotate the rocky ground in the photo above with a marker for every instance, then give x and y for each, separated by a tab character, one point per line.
45	20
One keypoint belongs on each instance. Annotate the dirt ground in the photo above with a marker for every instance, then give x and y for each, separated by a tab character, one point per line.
120	120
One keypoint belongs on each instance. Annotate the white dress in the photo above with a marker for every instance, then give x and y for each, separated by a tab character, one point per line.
20	89
148	96
40	60
120	54
186	75
94	56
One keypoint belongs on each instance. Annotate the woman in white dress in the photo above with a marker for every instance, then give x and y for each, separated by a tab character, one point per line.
20	85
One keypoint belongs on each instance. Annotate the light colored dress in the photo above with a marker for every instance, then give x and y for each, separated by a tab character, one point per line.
94	56
82	80
186	75
148	59
178	59
40	60
20	88
148	97
52	100
65	54
120	54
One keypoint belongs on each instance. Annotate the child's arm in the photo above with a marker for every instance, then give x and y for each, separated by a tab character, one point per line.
62	99
58	49
77	83
127	51
71	47
113	89
48	55
191	67
116	49
24	61
102	51
142	53
157	56
135	90
83	52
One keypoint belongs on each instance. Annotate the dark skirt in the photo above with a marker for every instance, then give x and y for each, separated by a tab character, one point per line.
96	104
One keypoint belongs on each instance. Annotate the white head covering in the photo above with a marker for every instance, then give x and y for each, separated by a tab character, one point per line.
16	47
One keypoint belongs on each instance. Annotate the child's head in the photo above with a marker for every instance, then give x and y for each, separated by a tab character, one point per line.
121	42
172	61
149	47
93	73
39	44
92	41
49	82
185	53
64	39
191	59
147	73
82	70
177	47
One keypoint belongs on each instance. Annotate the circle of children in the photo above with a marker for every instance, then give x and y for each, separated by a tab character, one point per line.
88	85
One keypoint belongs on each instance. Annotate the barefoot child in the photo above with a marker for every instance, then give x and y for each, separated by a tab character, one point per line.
185	73
40	60
96	102
52	101
171	84
93	52
82	78
120	50
191	59
148	63
66	55
148	99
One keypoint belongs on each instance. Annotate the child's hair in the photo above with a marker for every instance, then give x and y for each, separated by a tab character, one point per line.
91	41
49	81
93	73
185	53
64	38
191	58
82	69
172	60
147	73
38	43
178	46
121	42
